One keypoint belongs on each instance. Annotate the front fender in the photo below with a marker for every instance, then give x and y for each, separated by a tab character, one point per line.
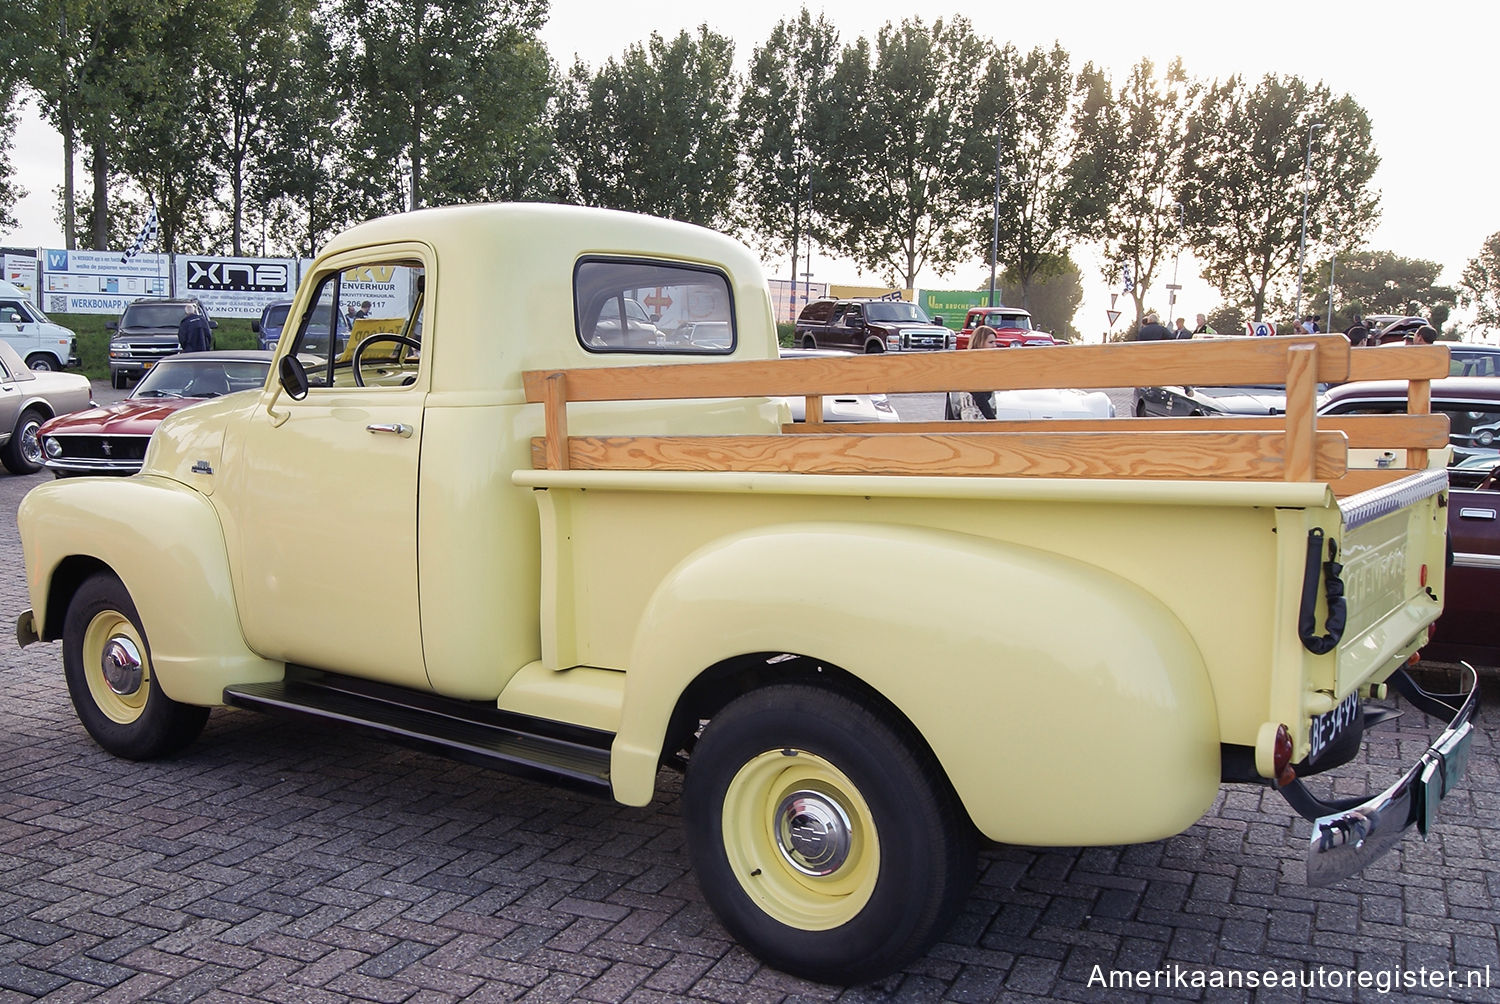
1065	704
164	542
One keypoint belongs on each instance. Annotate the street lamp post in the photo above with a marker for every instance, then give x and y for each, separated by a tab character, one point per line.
995	233
1302	246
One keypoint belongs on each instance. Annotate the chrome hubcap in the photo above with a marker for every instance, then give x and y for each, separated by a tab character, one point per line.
812	833
121	662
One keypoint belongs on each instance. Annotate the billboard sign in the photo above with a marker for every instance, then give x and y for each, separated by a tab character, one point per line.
99	282
235	287
954	304
20	271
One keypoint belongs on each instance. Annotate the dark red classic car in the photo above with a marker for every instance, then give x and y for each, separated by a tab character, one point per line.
112	439
1470	626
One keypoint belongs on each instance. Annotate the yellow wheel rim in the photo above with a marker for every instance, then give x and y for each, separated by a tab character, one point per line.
117	667
801	839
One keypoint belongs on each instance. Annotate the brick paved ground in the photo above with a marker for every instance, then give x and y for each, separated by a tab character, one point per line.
285	862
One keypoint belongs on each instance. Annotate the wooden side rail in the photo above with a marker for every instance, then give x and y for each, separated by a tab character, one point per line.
1256	456
1293	449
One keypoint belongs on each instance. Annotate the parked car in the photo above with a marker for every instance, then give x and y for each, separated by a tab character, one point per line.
866	325
1012	327
43	345
112	439
28	399
1470	625
1387	329
269	324
1465	359
841	407
1042	403
1198	402
147	333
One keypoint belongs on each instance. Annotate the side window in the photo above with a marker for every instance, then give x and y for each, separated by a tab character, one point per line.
10	313
629	305
853	315
370	315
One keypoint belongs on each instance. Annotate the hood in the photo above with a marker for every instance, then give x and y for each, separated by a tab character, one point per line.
1061	403
188	445
131	417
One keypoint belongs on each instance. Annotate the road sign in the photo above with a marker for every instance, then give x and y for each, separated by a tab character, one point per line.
1113	315
1112	298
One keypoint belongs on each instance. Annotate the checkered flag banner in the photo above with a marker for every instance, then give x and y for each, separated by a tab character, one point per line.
147	234
1129	282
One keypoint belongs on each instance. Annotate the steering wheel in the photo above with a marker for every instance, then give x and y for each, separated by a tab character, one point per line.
359	351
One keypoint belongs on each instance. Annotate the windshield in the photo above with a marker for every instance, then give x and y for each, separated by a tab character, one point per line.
898	311
276	316
152	315
202	377
1007	319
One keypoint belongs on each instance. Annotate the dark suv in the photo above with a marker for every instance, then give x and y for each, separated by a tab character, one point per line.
146	332
870	326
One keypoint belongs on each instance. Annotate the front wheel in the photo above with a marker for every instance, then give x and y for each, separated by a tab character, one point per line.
107	665
22	453
41	362
824	836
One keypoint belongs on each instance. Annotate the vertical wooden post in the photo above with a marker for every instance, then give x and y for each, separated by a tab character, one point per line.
1418	402
1301	411
813	411
555	403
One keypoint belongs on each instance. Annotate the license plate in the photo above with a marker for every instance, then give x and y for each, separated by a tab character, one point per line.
1442	775
1327	728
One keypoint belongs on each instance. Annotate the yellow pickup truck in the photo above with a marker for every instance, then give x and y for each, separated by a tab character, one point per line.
550	516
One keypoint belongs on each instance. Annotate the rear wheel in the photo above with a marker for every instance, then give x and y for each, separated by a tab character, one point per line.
107	664
41	362
824	836
22	454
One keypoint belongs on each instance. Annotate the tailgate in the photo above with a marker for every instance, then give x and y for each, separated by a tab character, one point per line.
1393	553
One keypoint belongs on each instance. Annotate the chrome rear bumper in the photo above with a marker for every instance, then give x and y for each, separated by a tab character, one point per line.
1348	834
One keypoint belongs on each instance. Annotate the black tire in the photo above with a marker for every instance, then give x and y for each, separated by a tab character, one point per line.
874	347
117	379
41	362
1140	408
858	797
809	342
22	453
107	664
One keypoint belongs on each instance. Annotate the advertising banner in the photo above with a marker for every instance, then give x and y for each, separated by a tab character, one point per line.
873	292
376	291
20	271
954	304
235	287
789	299
98	282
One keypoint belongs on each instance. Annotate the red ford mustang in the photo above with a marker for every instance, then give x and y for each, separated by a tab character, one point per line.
112	439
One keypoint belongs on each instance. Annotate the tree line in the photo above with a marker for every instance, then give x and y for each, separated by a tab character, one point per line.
265	126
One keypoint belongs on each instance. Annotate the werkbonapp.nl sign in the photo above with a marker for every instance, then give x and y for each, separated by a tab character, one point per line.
98	282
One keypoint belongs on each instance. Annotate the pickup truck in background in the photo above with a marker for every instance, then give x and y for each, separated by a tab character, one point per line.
870	326
1012	328
521	542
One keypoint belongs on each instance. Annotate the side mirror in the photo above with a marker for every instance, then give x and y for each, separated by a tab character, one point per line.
111	325
293	377
937	318
213	324
255	325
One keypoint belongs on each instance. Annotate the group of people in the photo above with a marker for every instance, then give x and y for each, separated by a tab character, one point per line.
1152	330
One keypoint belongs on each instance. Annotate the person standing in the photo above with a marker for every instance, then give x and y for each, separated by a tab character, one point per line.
1203	327
1153	330
192	331
983	338
1180	329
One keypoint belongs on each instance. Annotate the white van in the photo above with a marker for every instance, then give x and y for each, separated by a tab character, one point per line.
44	345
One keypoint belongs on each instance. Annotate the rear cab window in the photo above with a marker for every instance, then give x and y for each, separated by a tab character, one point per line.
652	307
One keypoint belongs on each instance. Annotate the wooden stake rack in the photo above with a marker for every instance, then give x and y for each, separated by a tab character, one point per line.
1297	446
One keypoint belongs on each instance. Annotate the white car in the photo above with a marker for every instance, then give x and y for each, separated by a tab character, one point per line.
1064	402
41	344
840	407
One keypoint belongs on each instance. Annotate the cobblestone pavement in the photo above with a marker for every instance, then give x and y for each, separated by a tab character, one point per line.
281	861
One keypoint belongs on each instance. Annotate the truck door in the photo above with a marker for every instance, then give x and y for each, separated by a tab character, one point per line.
19	328
322	491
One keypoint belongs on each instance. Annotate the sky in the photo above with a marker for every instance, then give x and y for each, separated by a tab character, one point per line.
1423	71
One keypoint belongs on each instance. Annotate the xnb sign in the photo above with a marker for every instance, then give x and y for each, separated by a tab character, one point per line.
218	275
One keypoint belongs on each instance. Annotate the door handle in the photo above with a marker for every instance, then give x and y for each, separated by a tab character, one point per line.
390	429
1476	514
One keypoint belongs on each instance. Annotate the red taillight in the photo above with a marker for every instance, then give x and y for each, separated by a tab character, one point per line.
1281	757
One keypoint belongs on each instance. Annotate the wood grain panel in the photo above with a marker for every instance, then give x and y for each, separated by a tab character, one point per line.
1407	362
1170	455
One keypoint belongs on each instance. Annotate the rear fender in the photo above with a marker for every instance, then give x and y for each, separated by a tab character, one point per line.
164	542
1065	704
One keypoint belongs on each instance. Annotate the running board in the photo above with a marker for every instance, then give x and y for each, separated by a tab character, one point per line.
462	730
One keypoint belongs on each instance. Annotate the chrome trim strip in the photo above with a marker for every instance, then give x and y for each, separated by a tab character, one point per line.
1368	506
1463	559
89	466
